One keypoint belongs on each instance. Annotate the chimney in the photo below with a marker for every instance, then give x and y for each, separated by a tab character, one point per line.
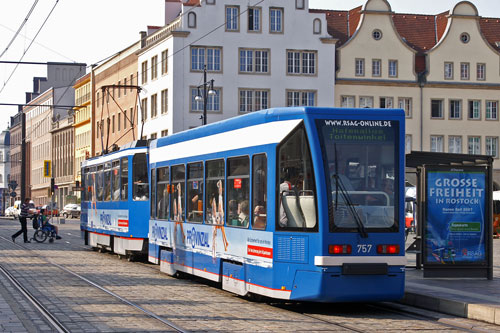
143	35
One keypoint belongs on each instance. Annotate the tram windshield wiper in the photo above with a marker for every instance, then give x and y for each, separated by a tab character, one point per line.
347	198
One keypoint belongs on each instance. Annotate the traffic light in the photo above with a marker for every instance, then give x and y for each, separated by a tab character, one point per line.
52	185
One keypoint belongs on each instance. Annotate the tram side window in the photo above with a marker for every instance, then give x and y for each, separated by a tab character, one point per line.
238	191
115	174
297	191
124	176
195	192
92	184
140	177
178	193
214	203
153	193
259	191
163	193
107	181
99	182
85	184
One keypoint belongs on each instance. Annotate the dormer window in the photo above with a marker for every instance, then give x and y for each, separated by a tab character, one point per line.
464	38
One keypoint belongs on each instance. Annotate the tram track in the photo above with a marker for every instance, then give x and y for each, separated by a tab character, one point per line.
51	318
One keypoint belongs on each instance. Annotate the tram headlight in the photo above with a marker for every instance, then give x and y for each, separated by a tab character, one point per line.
387	249
339	249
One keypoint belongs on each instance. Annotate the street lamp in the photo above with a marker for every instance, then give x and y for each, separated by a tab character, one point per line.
204	98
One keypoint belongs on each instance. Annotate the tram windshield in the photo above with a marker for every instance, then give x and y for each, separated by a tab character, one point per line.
360	157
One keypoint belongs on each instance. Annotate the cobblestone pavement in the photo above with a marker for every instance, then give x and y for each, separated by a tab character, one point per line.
191	304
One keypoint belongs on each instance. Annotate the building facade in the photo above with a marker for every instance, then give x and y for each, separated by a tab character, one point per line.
4	170
115	100
15	155
63	159
442	69
257	56
82	123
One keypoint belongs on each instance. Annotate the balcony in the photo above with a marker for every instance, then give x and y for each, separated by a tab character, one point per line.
163	32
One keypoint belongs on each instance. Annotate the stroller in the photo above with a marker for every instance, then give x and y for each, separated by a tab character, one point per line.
43	230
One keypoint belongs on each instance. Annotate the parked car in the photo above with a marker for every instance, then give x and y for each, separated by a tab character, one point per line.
71	210
11	211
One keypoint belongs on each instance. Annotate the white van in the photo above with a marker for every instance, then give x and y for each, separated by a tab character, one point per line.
17	208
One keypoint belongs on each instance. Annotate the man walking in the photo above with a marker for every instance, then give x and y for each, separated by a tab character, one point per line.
22	218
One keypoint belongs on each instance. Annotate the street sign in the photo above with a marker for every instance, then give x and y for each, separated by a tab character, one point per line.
13	185
13	194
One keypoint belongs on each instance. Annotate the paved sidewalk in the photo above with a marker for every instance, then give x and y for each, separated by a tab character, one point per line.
477	299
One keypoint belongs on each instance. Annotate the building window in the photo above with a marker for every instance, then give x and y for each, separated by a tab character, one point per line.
154	67
144	72
211	56
113	124
464	71
164	101
437	143
119	123
213	101
301	62
475	109
253	100
405	104
377	34
448	71
254	18
464	37
317	26
299	4
437	108
491	110
347	102
408	143
474	145
455	144
191	20
492	146
144	109
359	67
164	133
276	20
455	109
153	136
254	61
164	62
393	68
376	67
301	98
119	89
386	102
366	102
232	14
154	105
481	72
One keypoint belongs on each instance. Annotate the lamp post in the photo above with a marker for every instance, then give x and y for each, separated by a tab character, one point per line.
204	98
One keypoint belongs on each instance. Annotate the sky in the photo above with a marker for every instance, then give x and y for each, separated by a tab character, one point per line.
89	31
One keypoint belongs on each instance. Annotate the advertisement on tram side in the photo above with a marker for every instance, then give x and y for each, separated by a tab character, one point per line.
216	241
108	219
456	216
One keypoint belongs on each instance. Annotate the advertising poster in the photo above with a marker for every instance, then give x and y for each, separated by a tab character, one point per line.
456	217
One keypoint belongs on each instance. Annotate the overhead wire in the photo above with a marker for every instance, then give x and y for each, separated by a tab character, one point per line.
31	43
19	30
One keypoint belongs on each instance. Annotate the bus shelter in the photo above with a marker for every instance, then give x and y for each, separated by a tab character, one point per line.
454	214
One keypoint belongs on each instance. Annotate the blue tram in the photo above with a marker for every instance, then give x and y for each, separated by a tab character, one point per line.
290	203
115	200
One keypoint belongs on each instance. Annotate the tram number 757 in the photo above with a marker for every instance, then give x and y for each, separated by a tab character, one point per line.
364	248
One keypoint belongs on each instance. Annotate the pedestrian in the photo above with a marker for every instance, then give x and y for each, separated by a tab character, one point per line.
22	218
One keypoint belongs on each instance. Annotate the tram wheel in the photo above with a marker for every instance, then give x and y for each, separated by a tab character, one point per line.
40	236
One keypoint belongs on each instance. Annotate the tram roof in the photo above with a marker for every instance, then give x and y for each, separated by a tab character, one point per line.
264	116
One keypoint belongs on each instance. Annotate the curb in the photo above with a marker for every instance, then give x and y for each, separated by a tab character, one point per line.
489	314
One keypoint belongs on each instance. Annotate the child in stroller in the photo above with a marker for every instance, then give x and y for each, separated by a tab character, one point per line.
44	229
